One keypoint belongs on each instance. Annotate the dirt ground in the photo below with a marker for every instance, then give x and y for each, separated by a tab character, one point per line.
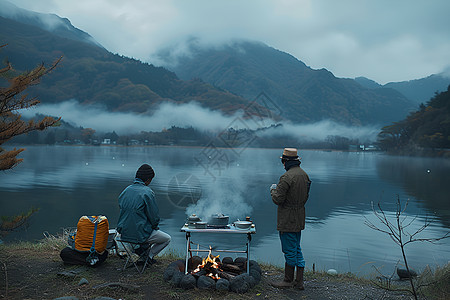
31	274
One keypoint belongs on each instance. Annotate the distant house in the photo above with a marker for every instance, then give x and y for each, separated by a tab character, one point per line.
106	142
365	148
370	148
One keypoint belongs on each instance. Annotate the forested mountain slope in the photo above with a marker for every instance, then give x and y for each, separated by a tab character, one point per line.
303	94
91	74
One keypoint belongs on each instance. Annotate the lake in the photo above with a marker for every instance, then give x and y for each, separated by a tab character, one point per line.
66	182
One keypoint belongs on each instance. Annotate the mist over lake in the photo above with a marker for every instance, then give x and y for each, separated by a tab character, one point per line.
67	182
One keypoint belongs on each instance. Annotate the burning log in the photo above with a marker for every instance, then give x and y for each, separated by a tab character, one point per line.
226	276
231	268
209	266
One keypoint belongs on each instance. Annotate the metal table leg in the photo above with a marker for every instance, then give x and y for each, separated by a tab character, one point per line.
249	238
188	239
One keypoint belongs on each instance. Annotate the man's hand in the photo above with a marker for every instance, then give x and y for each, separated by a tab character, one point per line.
273	186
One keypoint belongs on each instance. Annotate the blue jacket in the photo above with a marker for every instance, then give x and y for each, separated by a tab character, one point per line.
139	213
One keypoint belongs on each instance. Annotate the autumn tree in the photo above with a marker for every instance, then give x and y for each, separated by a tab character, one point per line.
12	100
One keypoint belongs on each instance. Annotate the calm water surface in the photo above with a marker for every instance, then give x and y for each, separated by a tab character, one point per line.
68	182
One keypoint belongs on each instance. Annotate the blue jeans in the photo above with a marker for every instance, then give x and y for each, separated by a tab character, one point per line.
290	245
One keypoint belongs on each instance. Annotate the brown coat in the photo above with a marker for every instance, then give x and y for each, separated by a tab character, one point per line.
290	196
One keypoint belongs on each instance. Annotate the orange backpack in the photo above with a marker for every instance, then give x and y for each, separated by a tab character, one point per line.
92	234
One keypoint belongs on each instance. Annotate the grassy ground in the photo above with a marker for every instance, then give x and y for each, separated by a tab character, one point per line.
31	271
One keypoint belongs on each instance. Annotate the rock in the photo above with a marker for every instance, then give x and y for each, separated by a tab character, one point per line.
66	298
332	272
68	274
242	260
249	279
176	278
125	286
227	260
188	282
193	262
169	271
254	265
179	264
222	285
403	273
239	284
256	275
205	283
104	298
83	281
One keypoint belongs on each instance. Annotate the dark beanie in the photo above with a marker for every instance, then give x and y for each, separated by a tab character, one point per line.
145	172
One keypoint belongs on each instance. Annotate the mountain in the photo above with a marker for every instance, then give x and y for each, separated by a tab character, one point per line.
418	90
92	75
302	94
421	90
368	83
50	22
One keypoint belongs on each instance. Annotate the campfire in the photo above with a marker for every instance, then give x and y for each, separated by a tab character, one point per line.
212	273
209	266
212	267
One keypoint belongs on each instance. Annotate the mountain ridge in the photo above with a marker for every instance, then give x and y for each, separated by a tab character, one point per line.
417	90
247	68
92	75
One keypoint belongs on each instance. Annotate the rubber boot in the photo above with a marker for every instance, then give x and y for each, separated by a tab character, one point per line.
288	280
299	280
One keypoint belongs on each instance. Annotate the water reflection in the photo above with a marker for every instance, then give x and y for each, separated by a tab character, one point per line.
67	182
425	179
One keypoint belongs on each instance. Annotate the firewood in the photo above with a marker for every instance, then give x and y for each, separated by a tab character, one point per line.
233	268
226	275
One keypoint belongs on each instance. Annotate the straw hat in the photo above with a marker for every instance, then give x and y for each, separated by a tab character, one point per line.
290	153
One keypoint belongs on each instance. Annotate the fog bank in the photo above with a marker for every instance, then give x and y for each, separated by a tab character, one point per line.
191	115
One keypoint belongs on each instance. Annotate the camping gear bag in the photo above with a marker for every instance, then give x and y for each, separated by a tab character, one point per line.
89	241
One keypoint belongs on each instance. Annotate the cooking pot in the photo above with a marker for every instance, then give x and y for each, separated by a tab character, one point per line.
242	224
198	225
193	218
219	220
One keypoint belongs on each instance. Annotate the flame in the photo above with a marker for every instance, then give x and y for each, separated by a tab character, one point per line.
211	259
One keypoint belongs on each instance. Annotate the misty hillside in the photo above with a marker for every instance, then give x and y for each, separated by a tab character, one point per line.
302	94
92	75
421	90
418	90
50	22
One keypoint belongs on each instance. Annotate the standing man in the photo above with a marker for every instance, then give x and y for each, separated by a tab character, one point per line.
139	214
290	195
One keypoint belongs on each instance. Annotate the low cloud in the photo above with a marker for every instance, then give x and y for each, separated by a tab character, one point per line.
167	115
50	21
446	72
319	131
190	115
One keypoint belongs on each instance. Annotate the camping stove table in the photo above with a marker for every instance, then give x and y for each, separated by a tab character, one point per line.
229	229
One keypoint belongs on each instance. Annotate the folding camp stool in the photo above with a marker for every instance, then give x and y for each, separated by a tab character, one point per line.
131	248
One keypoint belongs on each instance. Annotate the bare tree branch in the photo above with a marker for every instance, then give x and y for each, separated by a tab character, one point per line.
398	233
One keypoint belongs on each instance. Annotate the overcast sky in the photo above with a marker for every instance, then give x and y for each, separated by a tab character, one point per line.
384	40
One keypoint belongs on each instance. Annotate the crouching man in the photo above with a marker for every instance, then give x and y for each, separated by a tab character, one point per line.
290	195
139	214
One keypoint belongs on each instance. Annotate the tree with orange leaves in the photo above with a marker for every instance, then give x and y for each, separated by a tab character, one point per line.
11	102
